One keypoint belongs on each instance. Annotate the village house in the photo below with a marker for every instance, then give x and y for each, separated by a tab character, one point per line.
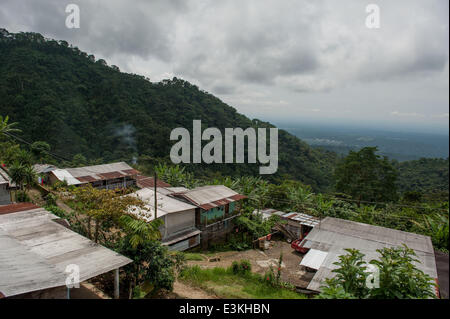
296	226
4	190
216	207
6	185
327	241
105	176
36	248
178	231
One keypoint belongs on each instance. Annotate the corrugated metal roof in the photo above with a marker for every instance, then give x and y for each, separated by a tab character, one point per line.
64	175
44	168
334	235
5	178
145	181
86	174
177	189
165	205
302	218
101	169
179	237
314	259
35	250
211	196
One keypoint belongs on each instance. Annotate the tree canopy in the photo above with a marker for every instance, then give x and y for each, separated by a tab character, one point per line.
366	176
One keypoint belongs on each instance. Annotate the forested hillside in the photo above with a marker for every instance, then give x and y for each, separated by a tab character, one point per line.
80	105
427	175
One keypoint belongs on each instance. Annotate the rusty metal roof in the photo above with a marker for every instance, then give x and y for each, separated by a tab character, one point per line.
208	197
88	174
144	181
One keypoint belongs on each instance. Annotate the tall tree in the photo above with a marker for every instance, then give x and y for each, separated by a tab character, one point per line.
366	176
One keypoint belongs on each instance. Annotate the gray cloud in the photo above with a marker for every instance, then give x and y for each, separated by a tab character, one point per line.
256	53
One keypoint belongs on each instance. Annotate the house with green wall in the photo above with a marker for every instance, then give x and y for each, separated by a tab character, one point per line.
217	206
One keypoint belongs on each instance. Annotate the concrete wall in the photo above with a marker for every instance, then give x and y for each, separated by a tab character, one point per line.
5	198
177	222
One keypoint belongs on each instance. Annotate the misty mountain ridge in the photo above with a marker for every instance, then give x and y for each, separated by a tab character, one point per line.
80	105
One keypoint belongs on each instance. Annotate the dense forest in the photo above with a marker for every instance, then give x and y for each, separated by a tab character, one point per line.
426	176
80	105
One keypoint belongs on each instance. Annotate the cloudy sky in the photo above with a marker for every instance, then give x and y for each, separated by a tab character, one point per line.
296	61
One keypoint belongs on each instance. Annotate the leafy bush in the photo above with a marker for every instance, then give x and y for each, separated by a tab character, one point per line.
22	196
235	267
50	200
241	268
56	210
399	278
245	267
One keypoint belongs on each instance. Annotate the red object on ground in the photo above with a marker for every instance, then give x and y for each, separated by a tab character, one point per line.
268	237
297	245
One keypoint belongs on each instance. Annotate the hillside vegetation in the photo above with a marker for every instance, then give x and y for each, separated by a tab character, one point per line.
90	113
80	105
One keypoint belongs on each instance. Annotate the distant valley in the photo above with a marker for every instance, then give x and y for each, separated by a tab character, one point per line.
400	146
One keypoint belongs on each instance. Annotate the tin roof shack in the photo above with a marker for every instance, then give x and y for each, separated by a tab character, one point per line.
178	231
297	224
5	197
108	176
6	185
267	212
216	209
43	170
328	240
35	249
300	224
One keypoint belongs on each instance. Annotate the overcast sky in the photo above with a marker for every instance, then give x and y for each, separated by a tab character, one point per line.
274	60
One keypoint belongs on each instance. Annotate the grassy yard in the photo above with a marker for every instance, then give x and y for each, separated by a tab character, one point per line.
194	256
225	284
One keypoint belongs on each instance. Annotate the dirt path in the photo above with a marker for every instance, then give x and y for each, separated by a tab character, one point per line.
185	291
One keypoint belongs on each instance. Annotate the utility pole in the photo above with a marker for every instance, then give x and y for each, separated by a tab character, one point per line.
156	200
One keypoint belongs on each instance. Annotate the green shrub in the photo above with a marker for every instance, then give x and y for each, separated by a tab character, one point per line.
56	210
22	197
245	267
269	277
50	200
235	267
